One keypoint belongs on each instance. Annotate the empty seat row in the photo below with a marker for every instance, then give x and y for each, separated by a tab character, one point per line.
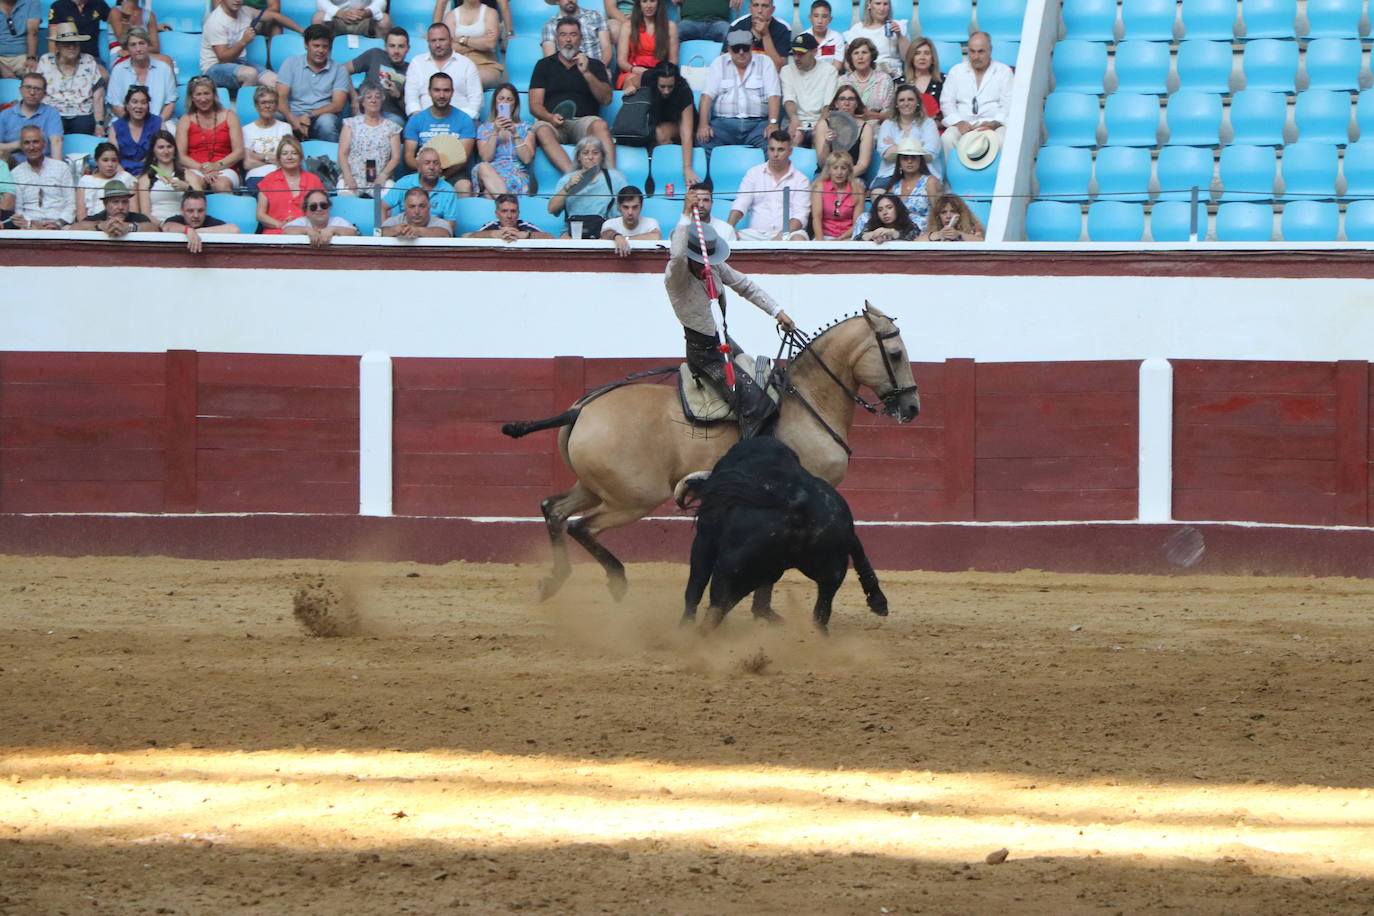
1160	20
1195	118
954	20
1173	221
1207	66
1307	170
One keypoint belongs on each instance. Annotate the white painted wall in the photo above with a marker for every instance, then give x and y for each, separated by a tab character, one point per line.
472	314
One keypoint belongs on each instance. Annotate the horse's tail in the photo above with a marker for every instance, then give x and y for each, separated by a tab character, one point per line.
525	427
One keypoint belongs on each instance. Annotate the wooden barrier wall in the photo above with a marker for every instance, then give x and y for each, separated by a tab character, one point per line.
214	432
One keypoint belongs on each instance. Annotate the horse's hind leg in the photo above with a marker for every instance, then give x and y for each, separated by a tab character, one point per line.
556	510
585	529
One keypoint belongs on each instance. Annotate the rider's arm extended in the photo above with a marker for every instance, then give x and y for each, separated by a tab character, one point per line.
747	288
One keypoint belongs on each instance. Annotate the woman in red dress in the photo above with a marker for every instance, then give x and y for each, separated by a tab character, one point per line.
210	137
650	40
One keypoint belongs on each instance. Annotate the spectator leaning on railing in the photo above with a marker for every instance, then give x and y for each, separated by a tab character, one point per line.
117	219
194	220
508	226
415	221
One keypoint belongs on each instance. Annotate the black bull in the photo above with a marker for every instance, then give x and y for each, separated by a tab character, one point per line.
760	514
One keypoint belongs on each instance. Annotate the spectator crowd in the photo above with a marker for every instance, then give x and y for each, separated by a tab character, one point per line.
468	116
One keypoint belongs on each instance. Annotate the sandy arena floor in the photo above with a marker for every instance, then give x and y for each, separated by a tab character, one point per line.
172	742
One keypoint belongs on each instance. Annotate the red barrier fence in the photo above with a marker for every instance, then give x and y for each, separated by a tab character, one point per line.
215	432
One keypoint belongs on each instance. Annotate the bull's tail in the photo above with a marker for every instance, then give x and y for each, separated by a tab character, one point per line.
525	427
877	601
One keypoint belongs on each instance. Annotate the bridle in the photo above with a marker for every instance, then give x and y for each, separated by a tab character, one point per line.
797	345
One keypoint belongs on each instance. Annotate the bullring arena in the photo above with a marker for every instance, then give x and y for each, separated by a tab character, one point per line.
1126	546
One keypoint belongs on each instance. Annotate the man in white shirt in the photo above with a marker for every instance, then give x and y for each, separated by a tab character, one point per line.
742	98
47	195
700	199
225	35
806	88
631	223
977	94
761	197
829	42
467	84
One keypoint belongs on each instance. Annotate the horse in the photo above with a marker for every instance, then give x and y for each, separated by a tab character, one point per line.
631	447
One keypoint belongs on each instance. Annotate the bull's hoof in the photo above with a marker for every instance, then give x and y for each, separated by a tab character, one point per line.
768	615
878	605
710	619
618	586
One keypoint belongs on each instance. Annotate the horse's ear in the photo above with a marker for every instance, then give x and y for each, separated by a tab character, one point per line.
868	313
871	309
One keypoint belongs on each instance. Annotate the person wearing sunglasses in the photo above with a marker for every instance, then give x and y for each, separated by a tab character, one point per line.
319	221
976	95
742	98
19	20
836	199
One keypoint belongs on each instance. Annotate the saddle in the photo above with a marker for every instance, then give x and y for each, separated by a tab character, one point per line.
702	403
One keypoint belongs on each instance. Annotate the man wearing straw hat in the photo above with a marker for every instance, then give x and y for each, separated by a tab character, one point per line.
696	265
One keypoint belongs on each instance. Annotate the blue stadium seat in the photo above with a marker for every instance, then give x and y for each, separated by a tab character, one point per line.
529	19
1149	20
1204	66
301	11
1053	221
241	211
475	212
698	48
1359	221
348	47
1171	221
945	20
1269	18
901	10
1333	18
1064	172
667	210
1309	171
1071	119
950	51
1364	113
546	175
1005	52
1093	20
80	144
668	167
1194	118
804	161
1245	222
184	50
360	211
1142	66
284	45
1123	173
1323	116
1257	117
1079	66
182	15
521	56
536	211
1116	221
1333	63
320	148
633	163
968	182
1209	19
415	17
981	208
841	16
1002	19
1132	120
1271	64
1182	168
244	106
1310	221
728	164
1247	173
9	91
608	112
1358	169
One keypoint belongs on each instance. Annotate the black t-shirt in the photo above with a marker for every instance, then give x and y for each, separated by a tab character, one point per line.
210	221
560	82
374	62
130	217
87	21
669	110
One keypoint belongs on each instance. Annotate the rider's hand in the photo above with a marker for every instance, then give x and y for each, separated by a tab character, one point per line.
784	321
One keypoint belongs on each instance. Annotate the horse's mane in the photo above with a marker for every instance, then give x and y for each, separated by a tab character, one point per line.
826	329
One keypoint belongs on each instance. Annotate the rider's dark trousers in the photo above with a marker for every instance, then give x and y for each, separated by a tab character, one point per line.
754	407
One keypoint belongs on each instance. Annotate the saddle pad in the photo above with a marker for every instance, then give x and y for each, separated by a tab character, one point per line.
703	404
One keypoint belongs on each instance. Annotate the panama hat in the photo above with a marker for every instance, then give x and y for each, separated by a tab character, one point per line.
910	146
66	31
717	249
978	149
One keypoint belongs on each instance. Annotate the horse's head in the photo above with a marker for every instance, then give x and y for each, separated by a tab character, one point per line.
885	367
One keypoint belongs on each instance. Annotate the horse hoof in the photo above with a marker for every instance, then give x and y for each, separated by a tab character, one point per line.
547	588
618	586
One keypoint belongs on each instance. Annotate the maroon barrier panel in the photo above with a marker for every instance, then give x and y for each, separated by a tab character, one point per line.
213	432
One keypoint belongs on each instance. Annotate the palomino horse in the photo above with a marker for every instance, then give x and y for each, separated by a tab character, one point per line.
631	446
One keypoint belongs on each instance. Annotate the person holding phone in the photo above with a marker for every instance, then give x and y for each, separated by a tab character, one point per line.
956	222
369	145
505	144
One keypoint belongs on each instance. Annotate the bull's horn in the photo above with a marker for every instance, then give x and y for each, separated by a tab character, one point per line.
685	485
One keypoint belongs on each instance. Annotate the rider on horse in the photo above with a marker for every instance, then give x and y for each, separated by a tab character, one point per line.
686	282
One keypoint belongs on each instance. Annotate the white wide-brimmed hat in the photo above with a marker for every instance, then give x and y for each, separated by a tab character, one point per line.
66	31
978	149
910	146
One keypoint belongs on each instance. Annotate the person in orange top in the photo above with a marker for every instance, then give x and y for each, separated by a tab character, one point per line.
650	40
281	194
